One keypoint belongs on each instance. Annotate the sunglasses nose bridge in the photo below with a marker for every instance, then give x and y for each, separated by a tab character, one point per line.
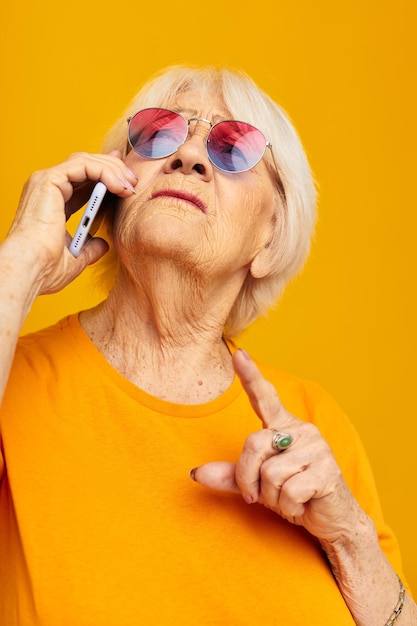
200	131
200	119
198	126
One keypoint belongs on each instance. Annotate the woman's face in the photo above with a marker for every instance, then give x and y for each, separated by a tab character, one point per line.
185	209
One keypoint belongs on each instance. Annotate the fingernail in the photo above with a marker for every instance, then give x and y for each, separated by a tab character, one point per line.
133	173
245	354
248	498
126	184
122	182
131	187
192	473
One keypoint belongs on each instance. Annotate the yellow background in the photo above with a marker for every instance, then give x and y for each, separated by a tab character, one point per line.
346	74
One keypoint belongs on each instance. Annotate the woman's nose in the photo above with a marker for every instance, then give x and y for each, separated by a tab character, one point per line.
191	156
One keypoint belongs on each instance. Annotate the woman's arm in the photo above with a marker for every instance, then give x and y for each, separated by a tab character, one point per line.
34	258
304	485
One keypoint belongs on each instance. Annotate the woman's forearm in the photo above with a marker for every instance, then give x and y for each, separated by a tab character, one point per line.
368	583
19	284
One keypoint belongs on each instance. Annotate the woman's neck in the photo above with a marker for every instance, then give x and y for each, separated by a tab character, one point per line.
165	336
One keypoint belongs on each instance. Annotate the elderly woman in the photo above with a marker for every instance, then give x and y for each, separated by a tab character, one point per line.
105	413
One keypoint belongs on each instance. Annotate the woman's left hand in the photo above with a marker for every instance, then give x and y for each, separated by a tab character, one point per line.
302	483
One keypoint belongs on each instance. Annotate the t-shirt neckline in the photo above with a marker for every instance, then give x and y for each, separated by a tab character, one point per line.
88	351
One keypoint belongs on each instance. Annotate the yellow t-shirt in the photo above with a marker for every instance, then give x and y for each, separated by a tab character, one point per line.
100	524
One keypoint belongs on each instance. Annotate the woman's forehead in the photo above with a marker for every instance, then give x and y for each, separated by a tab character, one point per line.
195	104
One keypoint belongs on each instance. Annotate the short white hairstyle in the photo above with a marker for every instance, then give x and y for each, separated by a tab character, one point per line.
296	195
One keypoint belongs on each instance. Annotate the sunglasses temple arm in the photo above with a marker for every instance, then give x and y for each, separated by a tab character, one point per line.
279	181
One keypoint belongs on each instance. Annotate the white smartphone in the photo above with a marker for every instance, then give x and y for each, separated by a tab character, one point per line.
83	231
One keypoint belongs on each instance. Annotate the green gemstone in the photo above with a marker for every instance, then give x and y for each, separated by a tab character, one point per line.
285	442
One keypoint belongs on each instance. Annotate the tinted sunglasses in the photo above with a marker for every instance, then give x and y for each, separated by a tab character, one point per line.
232	146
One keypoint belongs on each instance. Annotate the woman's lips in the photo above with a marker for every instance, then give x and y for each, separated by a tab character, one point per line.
181	195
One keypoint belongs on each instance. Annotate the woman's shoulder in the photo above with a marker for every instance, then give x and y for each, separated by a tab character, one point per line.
44	349
43	336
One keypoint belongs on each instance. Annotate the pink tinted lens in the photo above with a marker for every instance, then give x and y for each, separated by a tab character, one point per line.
156	133
235	146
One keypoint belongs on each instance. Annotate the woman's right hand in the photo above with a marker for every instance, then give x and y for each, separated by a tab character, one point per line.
48	199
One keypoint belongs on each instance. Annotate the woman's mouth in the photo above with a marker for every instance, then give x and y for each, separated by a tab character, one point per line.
181	195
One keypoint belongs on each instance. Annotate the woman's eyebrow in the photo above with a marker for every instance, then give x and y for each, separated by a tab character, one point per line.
190	113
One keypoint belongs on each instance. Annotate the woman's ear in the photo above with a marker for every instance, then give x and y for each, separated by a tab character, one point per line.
262	264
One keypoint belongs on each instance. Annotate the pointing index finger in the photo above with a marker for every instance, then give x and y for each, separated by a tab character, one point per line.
261	393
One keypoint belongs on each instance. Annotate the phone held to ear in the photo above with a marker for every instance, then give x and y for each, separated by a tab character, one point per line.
84	230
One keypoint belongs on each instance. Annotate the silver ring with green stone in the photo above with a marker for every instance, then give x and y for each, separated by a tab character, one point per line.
281	441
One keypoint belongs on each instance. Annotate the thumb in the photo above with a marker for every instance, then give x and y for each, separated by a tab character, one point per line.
216	475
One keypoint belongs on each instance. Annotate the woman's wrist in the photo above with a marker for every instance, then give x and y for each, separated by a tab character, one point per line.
366	580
